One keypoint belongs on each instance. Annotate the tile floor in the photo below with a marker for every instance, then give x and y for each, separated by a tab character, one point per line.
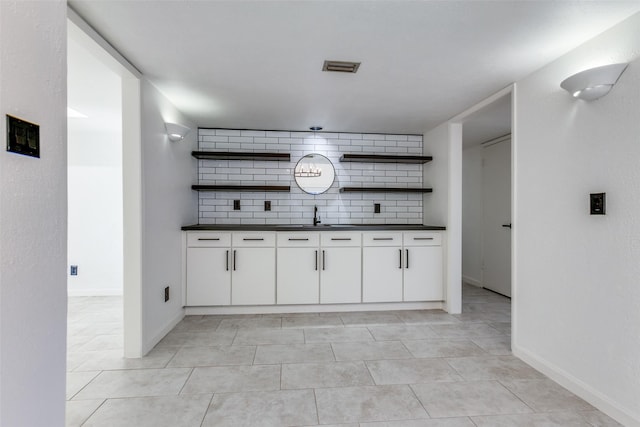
365	369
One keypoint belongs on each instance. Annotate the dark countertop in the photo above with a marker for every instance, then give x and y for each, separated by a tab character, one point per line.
310	227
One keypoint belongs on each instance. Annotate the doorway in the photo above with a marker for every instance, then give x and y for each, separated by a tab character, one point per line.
486	196
110	179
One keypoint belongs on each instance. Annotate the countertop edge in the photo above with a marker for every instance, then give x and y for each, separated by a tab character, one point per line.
337	227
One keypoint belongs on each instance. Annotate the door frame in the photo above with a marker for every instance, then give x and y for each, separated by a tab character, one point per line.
131	177
455	139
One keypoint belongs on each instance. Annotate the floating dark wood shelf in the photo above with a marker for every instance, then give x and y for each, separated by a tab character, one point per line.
384	190
235	155
231	187
383	158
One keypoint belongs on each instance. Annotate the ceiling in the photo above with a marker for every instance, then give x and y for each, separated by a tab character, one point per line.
258	64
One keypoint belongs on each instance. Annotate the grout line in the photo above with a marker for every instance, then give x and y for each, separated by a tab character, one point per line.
207	410
186	381
419	401
315	399
94	411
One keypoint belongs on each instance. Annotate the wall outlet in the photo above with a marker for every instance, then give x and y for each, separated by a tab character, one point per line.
267	205
376	208
236	205
166	294
74	270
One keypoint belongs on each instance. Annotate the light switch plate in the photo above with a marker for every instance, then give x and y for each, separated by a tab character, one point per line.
598	203
23	137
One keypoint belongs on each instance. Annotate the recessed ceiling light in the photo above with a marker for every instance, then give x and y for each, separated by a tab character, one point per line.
73	114
341	66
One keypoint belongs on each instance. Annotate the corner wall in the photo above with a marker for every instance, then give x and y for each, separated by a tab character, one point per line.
168	171
577	294
33	211
444	205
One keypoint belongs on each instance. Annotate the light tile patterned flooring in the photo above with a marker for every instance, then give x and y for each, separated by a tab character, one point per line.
366	369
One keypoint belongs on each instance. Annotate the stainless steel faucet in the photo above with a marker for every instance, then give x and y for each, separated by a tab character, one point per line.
316	218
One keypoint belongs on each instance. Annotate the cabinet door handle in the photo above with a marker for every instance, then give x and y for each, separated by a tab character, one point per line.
324	260
406	261
423	238
383	238
247	239
201	238
227	260
400	258
316	257
234	260
297	240
341	238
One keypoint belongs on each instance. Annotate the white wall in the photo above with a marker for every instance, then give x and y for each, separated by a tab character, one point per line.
94	154
472	215
436	176
168	171
33	209
577	292
443	206
95	204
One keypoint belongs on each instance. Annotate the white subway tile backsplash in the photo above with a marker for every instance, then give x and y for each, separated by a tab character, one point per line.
297	206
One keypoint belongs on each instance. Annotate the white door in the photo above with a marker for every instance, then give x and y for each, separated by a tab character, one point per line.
341	276
423	273
253	279
208	276
382	274
298	276
496	213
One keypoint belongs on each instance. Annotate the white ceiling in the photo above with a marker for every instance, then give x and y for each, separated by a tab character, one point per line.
257	64
490	122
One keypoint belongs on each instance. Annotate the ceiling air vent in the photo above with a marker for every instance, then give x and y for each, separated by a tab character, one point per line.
341	66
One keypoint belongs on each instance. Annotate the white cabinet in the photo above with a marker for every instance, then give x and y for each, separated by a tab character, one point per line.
253	277
298	281
402	267
317	268
341	268
312	267
423	267
382	267
208	270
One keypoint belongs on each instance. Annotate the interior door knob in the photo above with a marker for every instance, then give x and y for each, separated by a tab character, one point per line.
506	225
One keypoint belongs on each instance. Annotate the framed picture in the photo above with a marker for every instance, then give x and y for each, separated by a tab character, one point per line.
23	137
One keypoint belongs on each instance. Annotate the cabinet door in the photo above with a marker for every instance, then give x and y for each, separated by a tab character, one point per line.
254	276
423	273
297	276
208	277
381	274
341	275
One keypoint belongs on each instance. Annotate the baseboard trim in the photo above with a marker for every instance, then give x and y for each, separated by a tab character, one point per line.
471	281
316	308
148	346
579	388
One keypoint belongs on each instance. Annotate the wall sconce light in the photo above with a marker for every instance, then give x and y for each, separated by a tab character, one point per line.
176	132
593	83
